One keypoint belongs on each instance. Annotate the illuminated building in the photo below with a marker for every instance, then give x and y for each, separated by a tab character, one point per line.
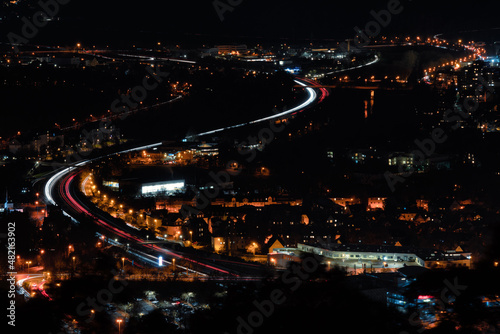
165	187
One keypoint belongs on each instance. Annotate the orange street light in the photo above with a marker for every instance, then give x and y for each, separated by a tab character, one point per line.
28	263
119	321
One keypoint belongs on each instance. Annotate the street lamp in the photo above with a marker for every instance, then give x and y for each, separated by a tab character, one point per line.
74	258
191	235
28	263
123	264
173	264
119	321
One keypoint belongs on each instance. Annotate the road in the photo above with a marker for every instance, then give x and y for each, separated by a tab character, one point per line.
314	95
61	190
117	233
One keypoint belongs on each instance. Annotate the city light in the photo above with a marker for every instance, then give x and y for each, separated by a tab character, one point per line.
354	158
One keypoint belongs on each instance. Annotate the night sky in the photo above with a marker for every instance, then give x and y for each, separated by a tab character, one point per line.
292	20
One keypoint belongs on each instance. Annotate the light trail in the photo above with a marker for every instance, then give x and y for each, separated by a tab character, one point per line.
56	177
65	177
148	258
356	67
310	100
158	58
65	185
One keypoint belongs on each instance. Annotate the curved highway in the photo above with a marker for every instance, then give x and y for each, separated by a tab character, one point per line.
61	189
312	98
120	234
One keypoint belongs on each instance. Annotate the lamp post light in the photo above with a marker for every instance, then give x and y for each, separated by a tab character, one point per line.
74	258
173	264
123	264
28	263
119	321
191	236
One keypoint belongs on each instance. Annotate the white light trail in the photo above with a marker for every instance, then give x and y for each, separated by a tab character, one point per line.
55	178
356	67
309	101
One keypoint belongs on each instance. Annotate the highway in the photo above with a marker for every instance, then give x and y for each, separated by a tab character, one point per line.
355	67
117	233
312	98
61	190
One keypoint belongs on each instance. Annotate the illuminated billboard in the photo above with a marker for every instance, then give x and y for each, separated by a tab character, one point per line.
166	187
